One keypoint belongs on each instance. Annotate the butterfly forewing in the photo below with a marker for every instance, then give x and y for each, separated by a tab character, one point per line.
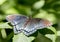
17	21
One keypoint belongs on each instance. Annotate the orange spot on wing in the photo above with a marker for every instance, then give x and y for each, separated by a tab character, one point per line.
47	23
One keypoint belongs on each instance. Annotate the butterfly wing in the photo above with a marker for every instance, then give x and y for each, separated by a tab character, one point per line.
34	24
27	27
17	21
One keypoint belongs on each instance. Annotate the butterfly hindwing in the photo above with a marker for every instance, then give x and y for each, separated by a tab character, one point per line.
34	24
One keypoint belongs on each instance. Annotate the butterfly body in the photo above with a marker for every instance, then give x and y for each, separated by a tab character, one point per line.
27	25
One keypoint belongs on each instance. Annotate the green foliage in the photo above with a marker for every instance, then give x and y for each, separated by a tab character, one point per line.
45	9
22	38
5	25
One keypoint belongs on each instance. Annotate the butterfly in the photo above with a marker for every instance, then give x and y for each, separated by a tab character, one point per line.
27	25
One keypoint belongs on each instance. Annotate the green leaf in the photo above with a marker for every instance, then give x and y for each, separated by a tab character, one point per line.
58	36
22	38
42	38
5	25
52	36
39	4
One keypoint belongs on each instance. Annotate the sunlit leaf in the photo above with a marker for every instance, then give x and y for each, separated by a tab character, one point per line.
52	36
22	38
5	25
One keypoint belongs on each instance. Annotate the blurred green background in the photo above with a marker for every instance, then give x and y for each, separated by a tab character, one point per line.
46	9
